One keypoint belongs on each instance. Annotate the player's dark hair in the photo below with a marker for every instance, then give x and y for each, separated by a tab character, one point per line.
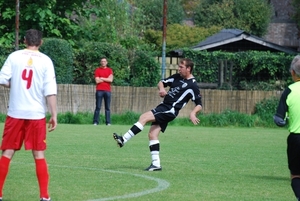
33	37
188	63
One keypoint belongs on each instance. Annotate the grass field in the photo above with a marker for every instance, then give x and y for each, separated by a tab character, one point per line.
199	164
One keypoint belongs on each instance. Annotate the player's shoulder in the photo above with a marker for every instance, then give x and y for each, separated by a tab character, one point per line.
193	81
176	76
15	53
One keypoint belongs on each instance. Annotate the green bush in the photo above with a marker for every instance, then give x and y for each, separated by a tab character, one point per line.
252	16
61	53
179	36
251	70
144	70
266	109
4	52
88	59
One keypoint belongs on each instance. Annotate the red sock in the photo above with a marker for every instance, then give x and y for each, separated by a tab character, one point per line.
42	176
4	166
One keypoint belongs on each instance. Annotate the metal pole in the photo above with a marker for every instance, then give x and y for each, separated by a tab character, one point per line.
17	25
163	67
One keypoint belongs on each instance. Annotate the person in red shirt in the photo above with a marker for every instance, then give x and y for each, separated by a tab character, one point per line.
103	78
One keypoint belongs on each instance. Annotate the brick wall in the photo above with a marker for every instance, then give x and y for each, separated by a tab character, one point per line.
283	9
282	30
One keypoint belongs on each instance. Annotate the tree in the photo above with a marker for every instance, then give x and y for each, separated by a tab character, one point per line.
251	16
99	20
153	12
180	36
189	6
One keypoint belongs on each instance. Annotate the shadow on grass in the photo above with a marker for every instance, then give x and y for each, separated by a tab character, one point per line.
267	177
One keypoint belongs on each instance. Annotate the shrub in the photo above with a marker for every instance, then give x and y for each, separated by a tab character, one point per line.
251	70
4	52
266	109
144	70
60	51
179	36
88	59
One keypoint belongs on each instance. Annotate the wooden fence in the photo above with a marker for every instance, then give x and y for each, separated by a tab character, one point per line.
81	98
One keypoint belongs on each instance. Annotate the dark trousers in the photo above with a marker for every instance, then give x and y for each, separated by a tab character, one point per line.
106	95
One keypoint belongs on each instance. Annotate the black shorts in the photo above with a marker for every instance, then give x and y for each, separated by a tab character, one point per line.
163	115
293	153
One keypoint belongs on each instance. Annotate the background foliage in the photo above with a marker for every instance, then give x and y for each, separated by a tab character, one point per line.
251	16
153	12
88	59
250	66
144	70
61	53
129	34
179	36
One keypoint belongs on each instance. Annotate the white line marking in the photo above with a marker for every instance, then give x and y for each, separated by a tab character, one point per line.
161	184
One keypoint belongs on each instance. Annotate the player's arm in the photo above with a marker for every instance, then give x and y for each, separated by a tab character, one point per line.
110	78
5	74
7	85
161	89
198	106
280	116
193	114
98	80
51	100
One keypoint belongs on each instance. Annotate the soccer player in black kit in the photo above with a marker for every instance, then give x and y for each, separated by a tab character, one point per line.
183	87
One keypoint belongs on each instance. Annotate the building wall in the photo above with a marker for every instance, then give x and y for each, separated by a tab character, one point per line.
282	30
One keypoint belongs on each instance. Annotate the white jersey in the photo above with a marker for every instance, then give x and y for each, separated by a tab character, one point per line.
32	78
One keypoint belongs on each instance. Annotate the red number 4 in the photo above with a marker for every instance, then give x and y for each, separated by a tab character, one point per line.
27	78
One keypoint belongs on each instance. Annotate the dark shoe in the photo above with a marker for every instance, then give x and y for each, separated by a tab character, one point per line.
153	168
0	198
45	199
119	139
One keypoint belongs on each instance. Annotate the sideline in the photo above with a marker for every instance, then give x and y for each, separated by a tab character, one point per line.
161	184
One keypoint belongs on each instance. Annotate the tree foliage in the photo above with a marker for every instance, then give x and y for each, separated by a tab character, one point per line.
189	6
98	20
153	12
180	36
55	48
248	67
144	70
88	59
251	16
47	16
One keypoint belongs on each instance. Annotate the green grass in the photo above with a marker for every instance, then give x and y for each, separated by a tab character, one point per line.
199	164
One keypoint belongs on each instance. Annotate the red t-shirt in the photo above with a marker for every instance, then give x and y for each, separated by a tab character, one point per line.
103	72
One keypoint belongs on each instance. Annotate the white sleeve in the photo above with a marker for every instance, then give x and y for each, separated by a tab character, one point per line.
50	86
5	73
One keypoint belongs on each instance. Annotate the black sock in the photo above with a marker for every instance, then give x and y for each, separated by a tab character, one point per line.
296	186
154	147
135	130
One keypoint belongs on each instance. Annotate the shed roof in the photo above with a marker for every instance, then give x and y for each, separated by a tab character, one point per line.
235	40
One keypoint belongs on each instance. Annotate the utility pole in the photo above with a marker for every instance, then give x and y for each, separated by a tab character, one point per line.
163	67
17	25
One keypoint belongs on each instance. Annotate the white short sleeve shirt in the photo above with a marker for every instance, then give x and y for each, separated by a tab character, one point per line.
32	78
